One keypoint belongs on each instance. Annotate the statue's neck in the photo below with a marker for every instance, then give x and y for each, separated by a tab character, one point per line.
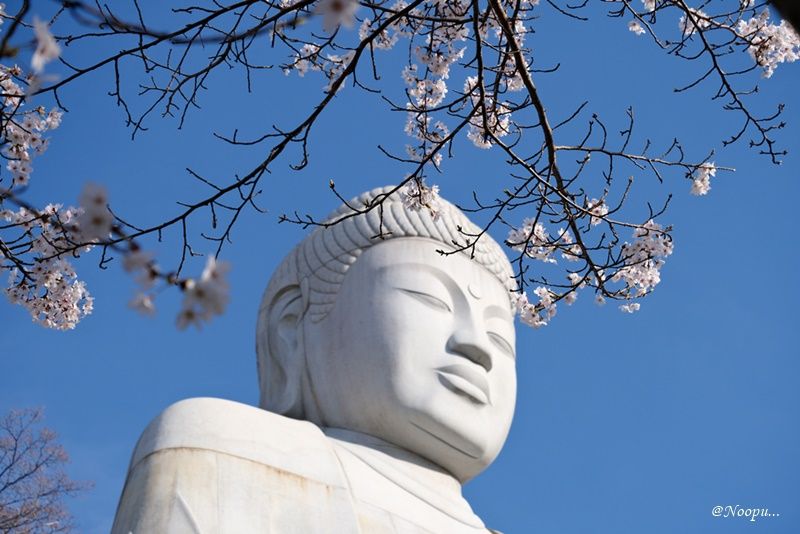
413	475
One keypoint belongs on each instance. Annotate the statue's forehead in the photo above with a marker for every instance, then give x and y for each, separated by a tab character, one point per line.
423	254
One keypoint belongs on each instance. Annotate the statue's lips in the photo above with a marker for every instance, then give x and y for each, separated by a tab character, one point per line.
464	379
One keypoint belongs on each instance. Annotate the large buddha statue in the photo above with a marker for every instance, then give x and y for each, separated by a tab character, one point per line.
387	381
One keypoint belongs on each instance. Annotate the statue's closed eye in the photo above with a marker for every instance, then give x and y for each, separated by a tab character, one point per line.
426	298
501	342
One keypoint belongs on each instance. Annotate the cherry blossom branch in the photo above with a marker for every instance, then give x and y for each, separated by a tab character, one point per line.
573	212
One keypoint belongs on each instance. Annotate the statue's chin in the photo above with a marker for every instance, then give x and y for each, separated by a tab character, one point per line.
441	442
462	455
457	443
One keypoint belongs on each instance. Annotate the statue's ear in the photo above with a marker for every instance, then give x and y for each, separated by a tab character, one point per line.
281	337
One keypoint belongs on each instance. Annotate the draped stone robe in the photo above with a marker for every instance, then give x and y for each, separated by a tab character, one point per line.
216	466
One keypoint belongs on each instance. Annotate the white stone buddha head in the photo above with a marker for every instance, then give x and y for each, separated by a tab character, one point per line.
386	336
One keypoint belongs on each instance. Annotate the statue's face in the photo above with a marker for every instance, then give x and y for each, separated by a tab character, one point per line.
418	350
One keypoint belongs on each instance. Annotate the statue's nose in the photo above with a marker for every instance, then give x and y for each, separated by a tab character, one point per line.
472	344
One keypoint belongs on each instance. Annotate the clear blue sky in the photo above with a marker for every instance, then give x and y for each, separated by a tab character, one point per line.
624	423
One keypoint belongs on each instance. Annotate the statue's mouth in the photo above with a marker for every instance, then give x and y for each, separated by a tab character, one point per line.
463	379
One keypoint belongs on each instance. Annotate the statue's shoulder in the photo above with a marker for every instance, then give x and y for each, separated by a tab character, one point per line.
247	432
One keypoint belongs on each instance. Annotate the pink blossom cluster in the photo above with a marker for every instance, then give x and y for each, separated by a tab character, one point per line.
37	244
640	270
598	209
311	58
770	44
536	314
47	48
436	49
642	261
692	20
491	118
205	297
48	286
701	179
22	131
416	195
533	239
49	289
41	277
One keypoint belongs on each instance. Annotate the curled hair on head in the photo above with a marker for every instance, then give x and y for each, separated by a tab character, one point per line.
316	267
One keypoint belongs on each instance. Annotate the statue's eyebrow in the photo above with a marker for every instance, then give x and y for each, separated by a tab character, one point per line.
493	310
441	276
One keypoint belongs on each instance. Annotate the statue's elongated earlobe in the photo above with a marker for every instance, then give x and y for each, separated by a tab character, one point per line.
281	324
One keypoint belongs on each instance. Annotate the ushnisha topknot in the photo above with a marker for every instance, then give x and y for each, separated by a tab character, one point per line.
319	263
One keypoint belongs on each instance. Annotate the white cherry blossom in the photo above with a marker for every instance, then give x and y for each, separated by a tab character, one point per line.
631	307
95	221
635	27
696	19
533	239
417	195
771	44
205	297
47	48
701	183
490	117
143	304
598	209
528	312
643	260
336	13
